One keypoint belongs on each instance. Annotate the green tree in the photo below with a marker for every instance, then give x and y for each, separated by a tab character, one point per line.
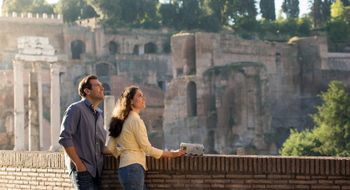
23	6
73	10
267	9
337	10
169	15
242	14
218	9
331	135
291	8
320	12
189	13
346	2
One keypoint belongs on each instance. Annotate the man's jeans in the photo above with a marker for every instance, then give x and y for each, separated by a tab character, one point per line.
132	177
85	181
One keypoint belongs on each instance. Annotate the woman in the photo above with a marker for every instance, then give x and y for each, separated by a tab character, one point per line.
129	140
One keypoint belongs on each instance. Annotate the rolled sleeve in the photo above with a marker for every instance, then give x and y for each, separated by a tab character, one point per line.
142	139
69	126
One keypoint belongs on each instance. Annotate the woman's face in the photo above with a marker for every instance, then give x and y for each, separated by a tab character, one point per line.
139	101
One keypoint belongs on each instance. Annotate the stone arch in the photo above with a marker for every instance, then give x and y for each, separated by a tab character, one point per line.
191	99
150	47
113	47
77	48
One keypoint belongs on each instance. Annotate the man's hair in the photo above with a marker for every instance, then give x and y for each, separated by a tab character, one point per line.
85	83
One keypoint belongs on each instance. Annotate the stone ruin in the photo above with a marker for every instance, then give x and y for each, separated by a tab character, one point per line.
230	94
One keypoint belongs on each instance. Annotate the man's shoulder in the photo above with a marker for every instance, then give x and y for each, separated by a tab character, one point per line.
76	105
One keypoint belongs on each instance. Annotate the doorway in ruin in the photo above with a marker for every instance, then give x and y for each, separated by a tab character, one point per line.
113	48
150	47
77	48
191	99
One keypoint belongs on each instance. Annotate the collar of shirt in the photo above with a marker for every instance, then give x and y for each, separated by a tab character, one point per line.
90	106
135	114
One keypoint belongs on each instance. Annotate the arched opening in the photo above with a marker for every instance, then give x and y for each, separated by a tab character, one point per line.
107	89
191	99
102	69
150	47
113	47
77	48
136	50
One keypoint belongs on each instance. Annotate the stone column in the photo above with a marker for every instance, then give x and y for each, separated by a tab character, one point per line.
55	112
40	109
33	104
109	103
18	105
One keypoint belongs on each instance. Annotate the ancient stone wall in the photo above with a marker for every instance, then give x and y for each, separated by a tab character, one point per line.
248	93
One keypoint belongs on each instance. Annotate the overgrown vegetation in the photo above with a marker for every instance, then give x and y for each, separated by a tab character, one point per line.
240	17
331	134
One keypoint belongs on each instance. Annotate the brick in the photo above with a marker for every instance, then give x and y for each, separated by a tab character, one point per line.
285	181
217	181
237	181
217	186
261	181
235	186
218	176
346	182
303	181
198	176
197	181
302	177
321	181
326	187
279	186
276	176
236	176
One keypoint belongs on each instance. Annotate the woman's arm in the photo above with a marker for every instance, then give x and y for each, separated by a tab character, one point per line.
173	154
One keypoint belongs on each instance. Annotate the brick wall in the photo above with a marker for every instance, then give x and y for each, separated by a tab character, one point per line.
45	170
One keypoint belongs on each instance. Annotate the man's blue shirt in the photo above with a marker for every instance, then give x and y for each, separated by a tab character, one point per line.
82	127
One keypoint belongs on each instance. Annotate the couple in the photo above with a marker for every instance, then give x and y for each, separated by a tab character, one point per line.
83	137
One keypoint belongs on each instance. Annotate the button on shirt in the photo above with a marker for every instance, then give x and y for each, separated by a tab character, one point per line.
82	127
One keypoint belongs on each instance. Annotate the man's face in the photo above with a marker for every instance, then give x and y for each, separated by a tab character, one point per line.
97	91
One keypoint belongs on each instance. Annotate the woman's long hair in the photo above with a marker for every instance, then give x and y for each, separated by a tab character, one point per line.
121	111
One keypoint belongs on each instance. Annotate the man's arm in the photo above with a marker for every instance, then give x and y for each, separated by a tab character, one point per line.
72	153
68	129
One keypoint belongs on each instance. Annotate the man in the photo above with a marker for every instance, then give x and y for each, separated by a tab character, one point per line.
83	136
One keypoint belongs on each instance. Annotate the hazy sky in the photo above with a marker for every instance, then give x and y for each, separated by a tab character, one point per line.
303	5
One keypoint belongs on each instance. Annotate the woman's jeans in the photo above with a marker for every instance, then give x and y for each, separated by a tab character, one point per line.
132	177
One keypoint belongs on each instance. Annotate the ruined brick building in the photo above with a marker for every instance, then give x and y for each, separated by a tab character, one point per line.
212	88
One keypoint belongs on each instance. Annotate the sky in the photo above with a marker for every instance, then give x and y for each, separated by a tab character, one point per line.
303	5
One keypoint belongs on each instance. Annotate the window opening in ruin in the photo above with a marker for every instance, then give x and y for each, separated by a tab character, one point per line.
191	99
102	69
161	85
136	50
107	89
77	48
278	58
150	47
179	71
113	48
